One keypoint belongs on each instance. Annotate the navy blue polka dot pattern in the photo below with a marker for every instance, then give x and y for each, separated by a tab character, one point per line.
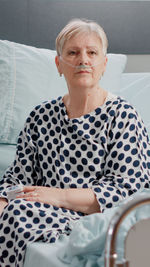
107	150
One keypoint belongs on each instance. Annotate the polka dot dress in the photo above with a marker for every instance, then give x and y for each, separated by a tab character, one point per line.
107	150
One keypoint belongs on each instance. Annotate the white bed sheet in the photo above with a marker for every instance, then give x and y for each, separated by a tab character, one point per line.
40	254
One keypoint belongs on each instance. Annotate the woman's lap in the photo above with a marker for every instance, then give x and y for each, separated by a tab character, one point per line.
23	222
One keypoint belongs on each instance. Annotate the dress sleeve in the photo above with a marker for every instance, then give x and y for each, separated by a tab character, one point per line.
127	164
25	169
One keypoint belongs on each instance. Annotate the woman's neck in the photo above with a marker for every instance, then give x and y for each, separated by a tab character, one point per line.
79	103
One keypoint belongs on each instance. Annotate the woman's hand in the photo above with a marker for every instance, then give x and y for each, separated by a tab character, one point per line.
77	199
43	194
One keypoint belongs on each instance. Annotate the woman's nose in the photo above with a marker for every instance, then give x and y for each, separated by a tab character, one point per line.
83	58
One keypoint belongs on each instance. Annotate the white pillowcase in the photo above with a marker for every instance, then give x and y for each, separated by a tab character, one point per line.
111	80
28	76
136	89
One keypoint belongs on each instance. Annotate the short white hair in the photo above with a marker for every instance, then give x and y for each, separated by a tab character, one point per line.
77	26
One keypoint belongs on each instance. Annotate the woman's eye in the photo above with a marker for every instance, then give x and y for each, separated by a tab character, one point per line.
72	53
92	53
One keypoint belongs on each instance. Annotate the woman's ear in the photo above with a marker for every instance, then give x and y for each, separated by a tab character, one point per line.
58	65
105	63
106	60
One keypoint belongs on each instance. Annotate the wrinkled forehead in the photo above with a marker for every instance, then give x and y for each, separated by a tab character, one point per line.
84	38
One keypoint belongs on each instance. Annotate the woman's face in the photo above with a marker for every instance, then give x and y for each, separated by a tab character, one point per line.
82	49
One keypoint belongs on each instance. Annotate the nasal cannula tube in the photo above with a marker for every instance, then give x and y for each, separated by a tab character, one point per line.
82	66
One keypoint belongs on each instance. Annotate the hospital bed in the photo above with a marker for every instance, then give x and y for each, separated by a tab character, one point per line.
28	29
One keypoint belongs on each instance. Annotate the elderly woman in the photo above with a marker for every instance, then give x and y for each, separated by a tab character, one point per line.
79	154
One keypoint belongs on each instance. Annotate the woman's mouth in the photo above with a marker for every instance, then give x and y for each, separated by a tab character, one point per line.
83	72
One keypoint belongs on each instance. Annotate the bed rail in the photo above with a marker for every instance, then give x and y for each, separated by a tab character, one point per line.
110	247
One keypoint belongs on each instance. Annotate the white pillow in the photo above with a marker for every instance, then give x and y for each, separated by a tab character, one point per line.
28	76
136	89
111	80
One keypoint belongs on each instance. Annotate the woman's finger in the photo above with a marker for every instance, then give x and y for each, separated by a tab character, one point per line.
27	189
33	197
28	194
